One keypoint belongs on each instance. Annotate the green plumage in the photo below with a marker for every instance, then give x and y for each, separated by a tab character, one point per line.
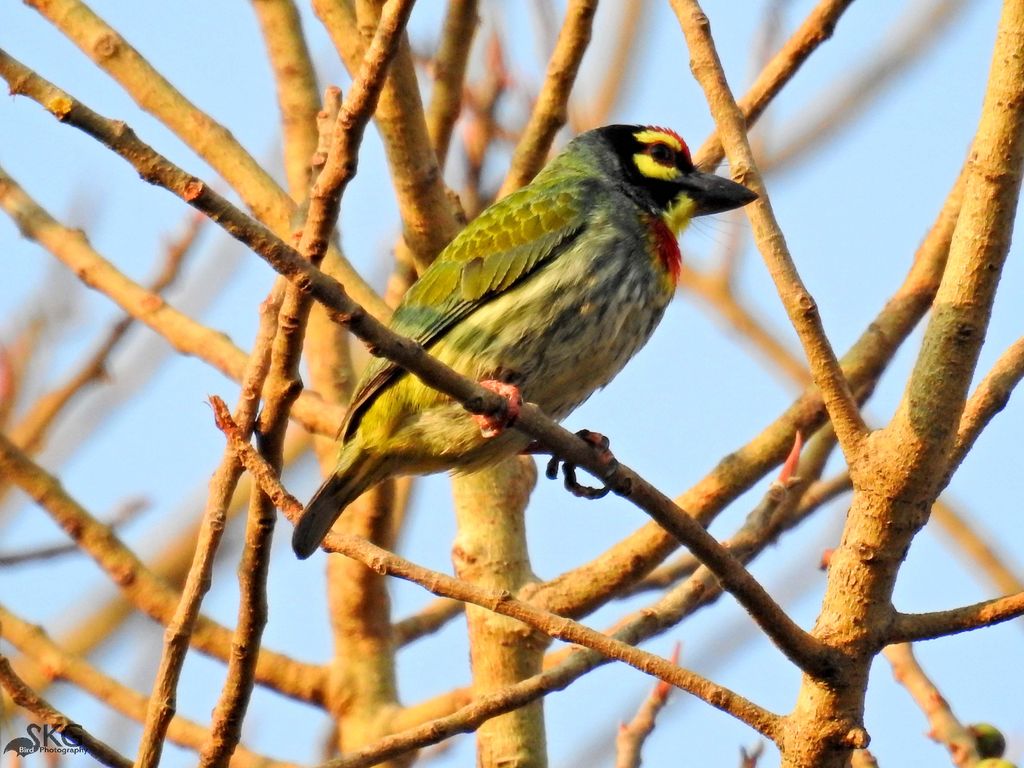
551	289
497	249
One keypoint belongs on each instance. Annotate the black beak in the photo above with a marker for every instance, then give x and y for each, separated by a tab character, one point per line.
714	194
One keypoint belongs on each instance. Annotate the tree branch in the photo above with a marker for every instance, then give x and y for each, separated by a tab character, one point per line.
551	110
911	627
945	728
146	591
815	30
449	69
209	139
500	602
163	699
181	331
800	306
25	697
62	664
989	398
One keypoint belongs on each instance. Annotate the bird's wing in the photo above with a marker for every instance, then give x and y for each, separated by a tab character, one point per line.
501	247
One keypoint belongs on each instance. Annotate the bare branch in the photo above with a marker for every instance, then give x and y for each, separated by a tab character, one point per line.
843	103
163	700
449	70
210	140
800	306
945	728
911	627
25	697
127	511
632	735
298	98
181	331
64	665
815	30
149	594
500	602
551	110
989	398
428	220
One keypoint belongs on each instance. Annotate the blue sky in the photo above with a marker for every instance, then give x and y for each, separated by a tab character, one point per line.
853	215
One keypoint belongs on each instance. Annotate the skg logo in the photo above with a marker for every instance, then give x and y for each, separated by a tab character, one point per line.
45	738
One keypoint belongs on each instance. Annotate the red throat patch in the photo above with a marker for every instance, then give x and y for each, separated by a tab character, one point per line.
667	248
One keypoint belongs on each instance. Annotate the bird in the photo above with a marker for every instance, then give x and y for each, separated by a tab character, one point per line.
543	297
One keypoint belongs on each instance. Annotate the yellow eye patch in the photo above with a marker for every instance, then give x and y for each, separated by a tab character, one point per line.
662	151
651	168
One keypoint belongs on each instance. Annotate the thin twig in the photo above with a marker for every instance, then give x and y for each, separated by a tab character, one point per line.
29	432
62	664
163	700
618	69
800	306
149	594
208	138
500	602
181	331
449	69
815	30
911	627
431	618
945	728
632	735
126	512
551	110
980	550
989	398
842	103
25	697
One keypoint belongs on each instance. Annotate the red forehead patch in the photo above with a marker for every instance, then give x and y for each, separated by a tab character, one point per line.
674	135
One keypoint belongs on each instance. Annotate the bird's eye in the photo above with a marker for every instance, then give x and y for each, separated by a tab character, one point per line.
662	154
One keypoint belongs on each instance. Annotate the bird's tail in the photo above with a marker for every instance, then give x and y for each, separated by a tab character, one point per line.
357	470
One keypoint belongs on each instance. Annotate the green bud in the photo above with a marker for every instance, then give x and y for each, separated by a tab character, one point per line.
988	739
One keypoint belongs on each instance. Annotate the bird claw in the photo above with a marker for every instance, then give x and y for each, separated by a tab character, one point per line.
601	444
491	426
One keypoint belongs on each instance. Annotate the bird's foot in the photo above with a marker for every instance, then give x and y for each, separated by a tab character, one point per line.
605	456
491	426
